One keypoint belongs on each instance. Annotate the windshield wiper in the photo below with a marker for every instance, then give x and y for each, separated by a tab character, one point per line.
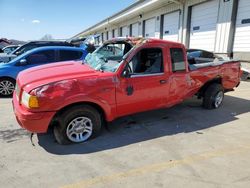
100	69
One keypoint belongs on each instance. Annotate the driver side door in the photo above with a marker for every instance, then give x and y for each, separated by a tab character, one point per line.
146	84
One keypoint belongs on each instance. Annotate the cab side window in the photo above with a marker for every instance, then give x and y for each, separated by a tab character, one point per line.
147	61
177	58
42	57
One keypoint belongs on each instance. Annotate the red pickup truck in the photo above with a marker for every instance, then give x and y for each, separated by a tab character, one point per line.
122	77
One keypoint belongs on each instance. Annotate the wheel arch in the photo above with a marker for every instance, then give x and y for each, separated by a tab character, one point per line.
202	90
65	108
8	77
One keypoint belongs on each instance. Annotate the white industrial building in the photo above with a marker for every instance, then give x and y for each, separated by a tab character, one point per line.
221	26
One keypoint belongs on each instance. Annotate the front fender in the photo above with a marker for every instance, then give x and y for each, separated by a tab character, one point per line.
108	109
56	96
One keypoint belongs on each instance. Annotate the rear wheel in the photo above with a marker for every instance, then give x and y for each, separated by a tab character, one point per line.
213	96
78	124
7	87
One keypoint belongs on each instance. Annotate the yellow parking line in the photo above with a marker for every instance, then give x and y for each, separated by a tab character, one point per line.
158	167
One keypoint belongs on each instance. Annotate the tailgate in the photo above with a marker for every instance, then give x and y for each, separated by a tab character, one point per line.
231	74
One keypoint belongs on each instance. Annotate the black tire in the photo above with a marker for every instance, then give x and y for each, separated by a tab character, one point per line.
3	91
210	94
60	130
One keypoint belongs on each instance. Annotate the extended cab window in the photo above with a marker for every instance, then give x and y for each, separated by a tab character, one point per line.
66	55
177	58
147	61
47	56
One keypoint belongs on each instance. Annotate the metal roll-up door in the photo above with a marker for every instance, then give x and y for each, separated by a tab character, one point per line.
203	25
116	33
150	28
135	30
110	35
171	26
242	30
104	36
124	31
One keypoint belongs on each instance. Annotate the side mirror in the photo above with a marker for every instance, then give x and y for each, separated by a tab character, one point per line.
18	53
23	62
126	73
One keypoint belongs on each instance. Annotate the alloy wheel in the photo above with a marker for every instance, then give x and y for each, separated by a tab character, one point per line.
6	87
79	129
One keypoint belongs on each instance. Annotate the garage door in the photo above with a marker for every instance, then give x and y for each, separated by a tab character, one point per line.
242	31
171	26
110	34
98	40
203	25
150	28
124	31
104	36
135	30
116	33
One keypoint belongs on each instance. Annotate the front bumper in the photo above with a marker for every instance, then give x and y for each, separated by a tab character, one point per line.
36	122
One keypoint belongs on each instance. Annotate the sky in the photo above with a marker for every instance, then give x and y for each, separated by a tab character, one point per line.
32	19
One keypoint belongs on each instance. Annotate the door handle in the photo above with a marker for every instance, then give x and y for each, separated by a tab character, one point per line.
163	81
130	90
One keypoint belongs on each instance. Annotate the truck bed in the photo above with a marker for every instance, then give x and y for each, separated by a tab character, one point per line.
228	71
210	64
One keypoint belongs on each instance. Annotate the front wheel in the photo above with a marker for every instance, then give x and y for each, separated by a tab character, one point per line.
213	96
78	124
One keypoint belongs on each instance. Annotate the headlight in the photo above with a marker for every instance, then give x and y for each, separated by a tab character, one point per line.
29	101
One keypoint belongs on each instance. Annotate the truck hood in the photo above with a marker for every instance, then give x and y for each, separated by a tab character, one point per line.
42	75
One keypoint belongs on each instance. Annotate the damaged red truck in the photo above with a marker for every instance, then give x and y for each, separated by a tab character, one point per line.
122	77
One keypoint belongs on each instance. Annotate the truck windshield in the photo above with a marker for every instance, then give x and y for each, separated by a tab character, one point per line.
108	57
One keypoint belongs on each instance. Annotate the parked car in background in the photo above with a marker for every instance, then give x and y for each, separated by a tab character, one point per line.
35	44
29	46
90	44
10	48
122	77
35	57
197	56
246	74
